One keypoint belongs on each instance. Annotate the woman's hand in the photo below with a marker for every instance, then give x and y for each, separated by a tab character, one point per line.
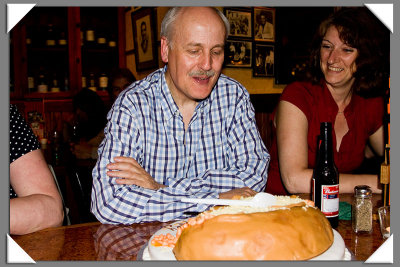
129	172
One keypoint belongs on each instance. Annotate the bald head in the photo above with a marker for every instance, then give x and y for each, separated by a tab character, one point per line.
180	15
192	44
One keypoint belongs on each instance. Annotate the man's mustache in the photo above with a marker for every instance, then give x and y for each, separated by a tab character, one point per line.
208	73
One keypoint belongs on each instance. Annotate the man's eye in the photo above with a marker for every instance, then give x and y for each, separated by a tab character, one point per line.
217	52
193	52
325	46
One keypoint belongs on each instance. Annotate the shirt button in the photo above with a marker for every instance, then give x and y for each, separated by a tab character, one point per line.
190	158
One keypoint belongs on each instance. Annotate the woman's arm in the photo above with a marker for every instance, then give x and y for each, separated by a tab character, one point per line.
292	129
39	204
376	140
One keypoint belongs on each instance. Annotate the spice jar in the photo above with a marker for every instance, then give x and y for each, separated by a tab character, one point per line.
362	209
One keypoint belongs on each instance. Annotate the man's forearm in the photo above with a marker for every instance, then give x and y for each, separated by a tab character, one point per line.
131	204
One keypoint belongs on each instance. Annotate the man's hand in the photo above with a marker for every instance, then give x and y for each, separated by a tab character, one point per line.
238	192
129	172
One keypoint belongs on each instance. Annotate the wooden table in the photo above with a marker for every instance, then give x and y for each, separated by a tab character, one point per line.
96	241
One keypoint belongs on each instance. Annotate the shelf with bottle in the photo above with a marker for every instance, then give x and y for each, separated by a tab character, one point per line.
98	29
49	37
45	52
96	81
46	28
98	41
43	82
99	44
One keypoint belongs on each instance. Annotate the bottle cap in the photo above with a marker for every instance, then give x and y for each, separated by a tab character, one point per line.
362	191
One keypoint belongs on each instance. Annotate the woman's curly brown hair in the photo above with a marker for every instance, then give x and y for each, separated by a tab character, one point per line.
359	29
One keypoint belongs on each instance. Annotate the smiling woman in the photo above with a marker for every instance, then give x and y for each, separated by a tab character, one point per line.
337	61
347	81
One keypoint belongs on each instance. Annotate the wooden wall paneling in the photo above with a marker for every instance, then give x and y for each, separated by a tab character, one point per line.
33	105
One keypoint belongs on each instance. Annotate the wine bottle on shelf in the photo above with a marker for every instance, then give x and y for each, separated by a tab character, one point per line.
103	81
31	82
112	43
101	39
42	86
84	81
62	40
90	37
66	82
325	180
92	82
55	84
50	35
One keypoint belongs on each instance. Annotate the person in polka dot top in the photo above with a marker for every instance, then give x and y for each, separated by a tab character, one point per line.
35	202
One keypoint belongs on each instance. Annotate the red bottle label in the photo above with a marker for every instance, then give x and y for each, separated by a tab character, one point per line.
330	200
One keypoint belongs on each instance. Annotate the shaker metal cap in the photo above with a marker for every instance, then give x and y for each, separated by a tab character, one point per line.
362	190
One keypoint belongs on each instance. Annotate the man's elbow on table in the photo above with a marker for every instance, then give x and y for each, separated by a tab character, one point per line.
106	214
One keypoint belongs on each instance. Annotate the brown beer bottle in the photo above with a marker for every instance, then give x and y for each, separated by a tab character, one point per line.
325	180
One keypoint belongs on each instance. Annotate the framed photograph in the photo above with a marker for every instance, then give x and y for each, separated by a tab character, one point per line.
238	53
240	22
264	60
144	38
264	24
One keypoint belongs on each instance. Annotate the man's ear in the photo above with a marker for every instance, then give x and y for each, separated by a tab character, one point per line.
164	49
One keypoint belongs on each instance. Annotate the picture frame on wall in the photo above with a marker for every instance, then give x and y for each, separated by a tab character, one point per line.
264	24
144	37
238	53
264	60
240	21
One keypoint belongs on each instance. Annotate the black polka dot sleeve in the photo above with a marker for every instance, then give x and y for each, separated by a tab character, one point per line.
22	139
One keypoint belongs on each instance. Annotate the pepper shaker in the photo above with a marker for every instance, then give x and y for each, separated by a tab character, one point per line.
362	209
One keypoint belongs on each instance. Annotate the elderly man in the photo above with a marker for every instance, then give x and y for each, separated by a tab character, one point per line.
185	130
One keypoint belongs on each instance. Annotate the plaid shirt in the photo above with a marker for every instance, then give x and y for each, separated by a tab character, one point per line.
221	150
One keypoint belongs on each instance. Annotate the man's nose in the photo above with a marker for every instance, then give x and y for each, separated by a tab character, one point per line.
206	61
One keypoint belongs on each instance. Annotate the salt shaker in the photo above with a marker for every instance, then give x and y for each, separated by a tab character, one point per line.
362	209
